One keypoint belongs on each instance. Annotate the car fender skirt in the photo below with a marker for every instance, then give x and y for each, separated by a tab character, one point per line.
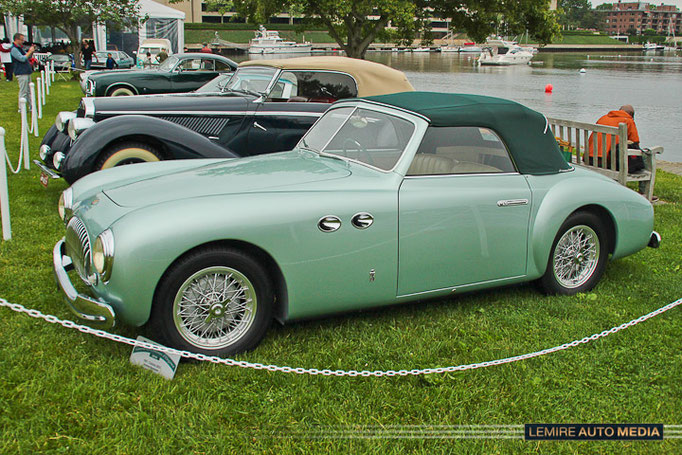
177	142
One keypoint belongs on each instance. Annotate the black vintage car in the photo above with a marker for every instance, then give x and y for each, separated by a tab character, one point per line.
265	107
179	73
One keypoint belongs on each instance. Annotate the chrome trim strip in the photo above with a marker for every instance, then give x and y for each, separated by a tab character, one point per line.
211	113
86	308
512	202
462	175
456	288
47	170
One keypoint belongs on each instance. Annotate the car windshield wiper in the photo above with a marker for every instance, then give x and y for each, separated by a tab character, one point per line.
248	92
333	156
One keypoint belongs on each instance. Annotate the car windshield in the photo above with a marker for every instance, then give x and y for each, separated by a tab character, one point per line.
103	55
251	79
168	64
373	138
217	84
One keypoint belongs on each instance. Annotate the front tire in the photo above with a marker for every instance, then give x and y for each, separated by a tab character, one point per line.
121	91
215	301
127	153
578	256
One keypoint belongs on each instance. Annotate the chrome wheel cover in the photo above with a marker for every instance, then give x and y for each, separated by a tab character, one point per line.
215	307
576	256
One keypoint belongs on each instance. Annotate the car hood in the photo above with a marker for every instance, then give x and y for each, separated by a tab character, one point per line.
287	171
119	73
181	102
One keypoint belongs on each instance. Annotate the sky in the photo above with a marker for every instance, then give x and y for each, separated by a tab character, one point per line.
677	3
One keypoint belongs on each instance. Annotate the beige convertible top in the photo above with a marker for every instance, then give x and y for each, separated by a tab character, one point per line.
372	78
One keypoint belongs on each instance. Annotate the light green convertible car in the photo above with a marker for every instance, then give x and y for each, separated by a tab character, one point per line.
385	200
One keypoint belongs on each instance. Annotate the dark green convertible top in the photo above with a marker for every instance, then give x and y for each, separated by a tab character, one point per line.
525	131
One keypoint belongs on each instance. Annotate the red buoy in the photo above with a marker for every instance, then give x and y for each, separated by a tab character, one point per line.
549	88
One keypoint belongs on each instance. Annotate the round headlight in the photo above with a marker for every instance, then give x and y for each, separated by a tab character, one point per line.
103	254
60	207
57	159
44	151
65	204
62	119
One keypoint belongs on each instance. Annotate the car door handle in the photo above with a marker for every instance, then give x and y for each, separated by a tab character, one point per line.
258	125
512	202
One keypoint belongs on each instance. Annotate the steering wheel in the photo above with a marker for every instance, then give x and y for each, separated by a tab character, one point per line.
350	141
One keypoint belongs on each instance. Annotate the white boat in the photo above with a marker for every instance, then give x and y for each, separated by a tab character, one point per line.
470	47
449	49
504	53
421	49
269	42
649	47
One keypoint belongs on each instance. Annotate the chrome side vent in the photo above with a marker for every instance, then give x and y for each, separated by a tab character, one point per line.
202	125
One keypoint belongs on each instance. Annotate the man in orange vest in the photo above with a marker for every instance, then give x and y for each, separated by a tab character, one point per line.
626	114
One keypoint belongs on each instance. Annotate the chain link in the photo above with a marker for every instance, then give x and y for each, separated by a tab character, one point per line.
326	372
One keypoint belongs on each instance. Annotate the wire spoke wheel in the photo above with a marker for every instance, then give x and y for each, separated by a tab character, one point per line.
576	256
215	307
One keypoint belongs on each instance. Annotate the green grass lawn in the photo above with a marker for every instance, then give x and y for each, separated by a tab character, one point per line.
66	392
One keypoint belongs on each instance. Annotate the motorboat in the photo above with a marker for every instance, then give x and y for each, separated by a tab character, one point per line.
652	47
421	49
269	42
504	53
470	47
449	49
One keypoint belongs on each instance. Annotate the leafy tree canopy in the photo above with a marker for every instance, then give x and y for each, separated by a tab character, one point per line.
68	15
355	24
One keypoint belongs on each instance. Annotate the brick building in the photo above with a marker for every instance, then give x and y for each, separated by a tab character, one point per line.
640	16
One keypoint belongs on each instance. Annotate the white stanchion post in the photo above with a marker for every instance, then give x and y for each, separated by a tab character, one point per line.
24	133
51	71
47	85
42	78
4	195
34	109
40	98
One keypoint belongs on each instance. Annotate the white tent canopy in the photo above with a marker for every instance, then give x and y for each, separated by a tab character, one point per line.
163	22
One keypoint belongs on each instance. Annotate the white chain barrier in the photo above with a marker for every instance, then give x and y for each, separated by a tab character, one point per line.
326	372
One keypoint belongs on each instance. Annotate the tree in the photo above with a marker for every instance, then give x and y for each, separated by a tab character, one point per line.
221	7
355	24
68	15
577	14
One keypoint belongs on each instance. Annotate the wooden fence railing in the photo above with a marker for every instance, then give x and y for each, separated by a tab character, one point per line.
575	137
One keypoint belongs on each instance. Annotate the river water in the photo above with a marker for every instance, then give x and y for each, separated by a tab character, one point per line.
651	83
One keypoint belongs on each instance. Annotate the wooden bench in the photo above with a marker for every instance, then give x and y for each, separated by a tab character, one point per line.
574	137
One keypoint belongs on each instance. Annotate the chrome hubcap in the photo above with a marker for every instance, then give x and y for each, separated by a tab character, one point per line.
215	307
576	256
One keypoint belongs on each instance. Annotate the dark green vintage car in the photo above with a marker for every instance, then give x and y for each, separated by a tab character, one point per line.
177	74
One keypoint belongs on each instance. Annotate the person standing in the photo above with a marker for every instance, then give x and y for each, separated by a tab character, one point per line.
87	52
206	49
20	64
111	63
5	53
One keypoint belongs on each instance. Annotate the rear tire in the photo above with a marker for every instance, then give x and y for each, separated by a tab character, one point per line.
130	152
578	256
215	301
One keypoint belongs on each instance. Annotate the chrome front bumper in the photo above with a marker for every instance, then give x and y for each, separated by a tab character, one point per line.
47	170
95	312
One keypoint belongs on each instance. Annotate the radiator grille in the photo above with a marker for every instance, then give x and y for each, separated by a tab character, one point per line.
78	247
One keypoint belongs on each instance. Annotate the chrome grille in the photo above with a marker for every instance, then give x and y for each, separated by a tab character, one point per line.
78	247
202	125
